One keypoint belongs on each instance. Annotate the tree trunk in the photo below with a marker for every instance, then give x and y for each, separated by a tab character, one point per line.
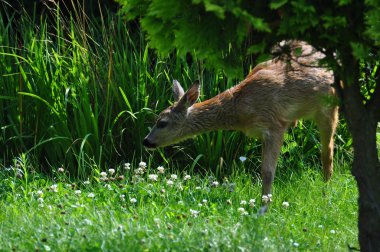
366	170
362	123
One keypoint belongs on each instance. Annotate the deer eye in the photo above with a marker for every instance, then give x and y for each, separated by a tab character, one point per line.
161	124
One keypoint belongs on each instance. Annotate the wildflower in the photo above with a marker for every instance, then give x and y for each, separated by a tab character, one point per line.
215	183
332	231
111	171
180	202
194	213
40	200
320	226
187	177
204	201
54	188
139	171
61	170
109	187
295	244
242	159
122	197
198	188
39	193
173	177
270	197
285	204
161	170
142	165
77	192
153	177
103	174
242	211
91	195
169	182
252	202
87	182
133	200
265	199
199	204
243	202
127	166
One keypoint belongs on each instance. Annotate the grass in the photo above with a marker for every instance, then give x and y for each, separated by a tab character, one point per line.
60	214
81	93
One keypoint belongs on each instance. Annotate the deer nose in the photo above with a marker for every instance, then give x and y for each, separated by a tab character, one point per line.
148	144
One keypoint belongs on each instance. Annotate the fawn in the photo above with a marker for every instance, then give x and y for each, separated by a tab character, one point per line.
264	105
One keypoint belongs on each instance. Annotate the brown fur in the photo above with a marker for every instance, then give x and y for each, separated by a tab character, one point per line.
264	105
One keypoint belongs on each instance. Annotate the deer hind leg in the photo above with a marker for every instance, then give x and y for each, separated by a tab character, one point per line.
326	122
270	151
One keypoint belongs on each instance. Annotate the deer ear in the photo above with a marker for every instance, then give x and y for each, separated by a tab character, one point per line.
190	97
192	94
177	90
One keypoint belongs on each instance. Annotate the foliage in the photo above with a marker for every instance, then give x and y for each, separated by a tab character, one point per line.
99	214
82	93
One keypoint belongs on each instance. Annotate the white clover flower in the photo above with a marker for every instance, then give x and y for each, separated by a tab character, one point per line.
161	169
332	231
198	188
194	213
108	186
199	204
295	244
77	192
153	177
122	197
103	174
252	202
61	170
39	193
40	200
265	199
204	201
285	204
187	177
139	171
242	159
127	166
242	211
142	165
173	177
243	202
215	183
269	197
87	182
91	195
133	200
54	188
47	248
111	171
170	182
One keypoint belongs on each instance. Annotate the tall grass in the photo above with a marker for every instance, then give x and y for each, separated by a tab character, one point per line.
82	92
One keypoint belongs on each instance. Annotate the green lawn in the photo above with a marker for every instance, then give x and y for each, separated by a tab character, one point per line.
125	212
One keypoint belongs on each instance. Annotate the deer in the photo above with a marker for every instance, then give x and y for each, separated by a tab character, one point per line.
272	97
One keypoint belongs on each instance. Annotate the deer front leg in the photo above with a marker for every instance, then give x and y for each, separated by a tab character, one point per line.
270	151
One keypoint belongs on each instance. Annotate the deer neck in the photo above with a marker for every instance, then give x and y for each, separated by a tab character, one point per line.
213	114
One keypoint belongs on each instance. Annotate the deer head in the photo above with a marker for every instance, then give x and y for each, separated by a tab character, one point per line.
171	125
